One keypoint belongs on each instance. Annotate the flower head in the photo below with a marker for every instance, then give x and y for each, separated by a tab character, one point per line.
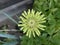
32	22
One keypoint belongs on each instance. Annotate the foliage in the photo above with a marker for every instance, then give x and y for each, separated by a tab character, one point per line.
51	35
32	22
7	39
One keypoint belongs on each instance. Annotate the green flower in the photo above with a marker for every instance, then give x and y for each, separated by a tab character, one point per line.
32	22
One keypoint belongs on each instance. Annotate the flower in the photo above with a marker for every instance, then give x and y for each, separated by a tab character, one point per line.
32	22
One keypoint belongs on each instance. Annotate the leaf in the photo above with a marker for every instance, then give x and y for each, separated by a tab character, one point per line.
10	43
57	13
7	36
52	23
56	38
10	17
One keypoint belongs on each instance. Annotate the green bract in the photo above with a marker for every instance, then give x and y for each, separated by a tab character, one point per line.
32	22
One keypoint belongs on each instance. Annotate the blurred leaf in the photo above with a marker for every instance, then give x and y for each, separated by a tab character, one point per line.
10	17
52	23
56	38
57	13
7	36
10	43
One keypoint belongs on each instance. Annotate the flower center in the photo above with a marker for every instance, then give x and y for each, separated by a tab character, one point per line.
31	23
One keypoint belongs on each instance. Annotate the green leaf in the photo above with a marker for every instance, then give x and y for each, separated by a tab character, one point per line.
57	13
56	38
10	43
52	23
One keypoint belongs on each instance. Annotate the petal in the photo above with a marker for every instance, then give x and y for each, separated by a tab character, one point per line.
42	21
42	28
29	12
42	16
22	18
42	25
25	12
33	12
33	33
20	22
27	34
25	30
37	31
23	15
21	28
